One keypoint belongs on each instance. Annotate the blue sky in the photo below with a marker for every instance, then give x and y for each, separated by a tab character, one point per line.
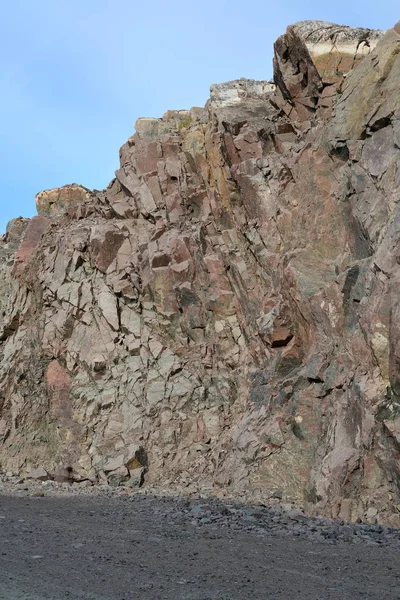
76	74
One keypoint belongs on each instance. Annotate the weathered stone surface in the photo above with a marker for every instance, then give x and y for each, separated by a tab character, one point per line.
311	60
336	49
235	92
30	242
60	200
38	474
9	244
297	78
225	315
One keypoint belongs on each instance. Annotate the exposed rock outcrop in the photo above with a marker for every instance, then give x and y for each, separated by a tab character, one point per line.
58	201
225	314
336	49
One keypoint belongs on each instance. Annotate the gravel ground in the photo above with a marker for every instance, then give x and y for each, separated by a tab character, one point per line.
142	547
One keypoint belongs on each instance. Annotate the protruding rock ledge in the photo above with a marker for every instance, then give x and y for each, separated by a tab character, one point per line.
239	90
310	59
336	49
171	123
59	200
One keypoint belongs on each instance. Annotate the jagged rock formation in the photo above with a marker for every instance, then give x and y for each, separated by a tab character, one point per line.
225	314
335	49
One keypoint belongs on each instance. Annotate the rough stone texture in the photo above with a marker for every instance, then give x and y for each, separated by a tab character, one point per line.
59	200
38	474
336	49
9	243
225	315
299	83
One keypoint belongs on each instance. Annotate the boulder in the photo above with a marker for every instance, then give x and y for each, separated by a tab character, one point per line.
38	474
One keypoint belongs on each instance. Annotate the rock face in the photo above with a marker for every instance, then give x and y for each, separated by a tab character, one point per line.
335	49
226	314
57	201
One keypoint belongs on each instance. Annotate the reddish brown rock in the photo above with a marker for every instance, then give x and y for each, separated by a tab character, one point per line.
224	316
311	60
30	242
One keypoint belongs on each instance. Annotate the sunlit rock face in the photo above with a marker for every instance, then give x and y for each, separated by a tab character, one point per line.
59	200
336	49
225	315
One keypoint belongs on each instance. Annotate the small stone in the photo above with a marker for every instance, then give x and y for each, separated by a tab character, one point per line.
63	474
86	483
136	478
38	474
277	494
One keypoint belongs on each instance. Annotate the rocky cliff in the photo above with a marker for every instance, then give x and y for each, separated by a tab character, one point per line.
226	314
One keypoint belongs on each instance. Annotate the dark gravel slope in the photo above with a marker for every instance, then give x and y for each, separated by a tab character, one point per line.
143	548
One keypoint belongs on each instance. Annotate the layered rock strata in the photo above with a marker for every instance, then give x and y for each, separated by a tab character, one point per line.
225	315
